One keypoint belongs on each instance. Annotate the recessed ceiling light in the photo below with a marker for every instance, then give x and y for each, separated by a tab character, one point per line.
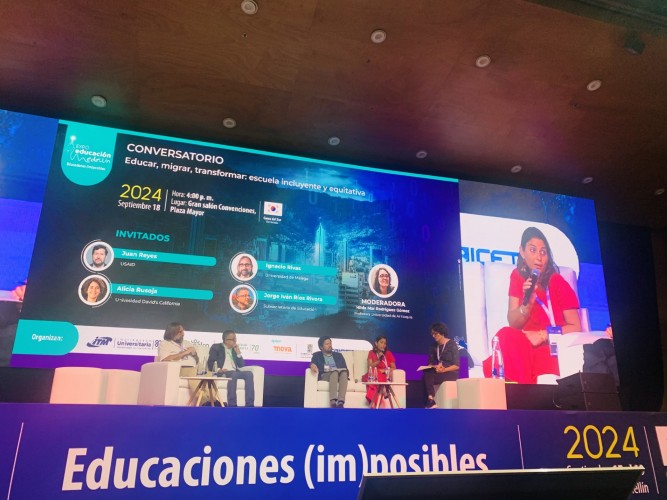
378	36
483	61
229	123
333	141
249	7
421	154
586	180
99	101
516	169
659	191
594	85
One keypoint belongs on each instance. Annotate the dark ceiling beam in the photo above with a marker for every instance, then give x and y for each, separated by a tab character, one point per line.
649	16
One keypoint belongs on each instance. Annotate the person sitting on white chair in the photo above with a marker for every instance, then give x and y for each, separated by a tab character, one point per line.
331	367
229	359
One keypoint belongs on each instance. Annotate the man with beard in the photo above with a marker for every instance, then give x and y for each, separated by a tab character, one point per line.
99	257
244	269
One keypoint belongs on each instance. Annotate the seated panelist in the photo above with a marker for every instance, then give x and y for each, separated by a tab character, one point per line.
175	348
331	367
229	359
382	361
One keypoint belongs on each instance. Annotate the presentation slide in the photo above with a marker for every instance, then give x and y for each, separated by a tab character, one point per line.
140	230
493	221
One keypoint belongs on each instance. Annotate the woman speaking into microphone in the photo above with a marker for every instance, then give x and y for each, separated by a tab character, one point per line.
539	298
380	361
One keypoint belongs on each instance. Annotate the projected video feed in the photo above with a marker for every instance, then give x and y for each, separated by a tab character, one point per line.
568	320
140	230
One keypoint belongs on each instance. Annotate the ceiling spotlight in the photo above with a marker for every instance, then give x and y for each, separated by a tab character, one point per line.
333	140
229	123
586	180
594	85
659	191
249	7
378	36
483	61
633	43
99	101
421	154
516	169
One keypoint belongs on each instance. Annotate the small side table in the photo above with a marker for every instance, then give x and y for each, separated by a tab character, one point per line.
207	384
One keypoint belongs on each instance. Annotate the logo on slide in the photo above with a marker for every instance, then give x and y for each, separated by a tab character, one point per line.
88	153
273	208
99	341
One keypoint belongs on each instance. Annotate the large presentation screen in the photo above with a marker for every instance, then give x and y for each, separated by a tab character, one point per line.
494	219
140	230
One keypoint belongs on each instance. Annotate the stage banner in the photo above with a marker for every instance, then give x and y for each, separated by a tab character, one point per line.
61	451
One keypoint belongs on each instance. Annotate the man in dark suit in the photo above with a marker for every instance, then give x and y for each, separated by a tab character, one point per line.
229	359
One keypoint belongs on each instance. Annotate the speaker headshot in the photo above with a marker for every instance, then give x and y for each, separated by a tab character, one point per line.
383	280
242	299
243	267
97	256
94	290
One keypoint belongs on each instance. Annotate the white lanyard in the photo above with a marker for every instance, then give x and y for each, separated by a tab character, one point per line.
438	353
548	310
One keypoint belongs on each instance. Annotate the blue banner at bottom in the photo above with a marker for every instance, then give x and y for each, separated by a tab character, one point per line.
80	451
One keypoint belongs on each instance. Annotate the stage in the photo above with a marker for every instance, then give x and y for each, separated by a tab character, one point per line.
89	451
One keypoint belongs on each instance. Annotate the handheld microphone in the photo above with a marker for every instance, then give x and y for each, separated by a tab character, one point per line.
533	283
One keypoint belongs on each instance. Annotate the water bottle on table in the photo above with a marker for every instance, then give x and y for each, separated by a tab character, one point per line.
497	365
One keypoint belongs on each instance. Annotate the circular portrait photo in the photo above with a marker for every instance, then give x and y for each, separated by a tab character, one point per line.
243	267
383	280
243	299
97	256
95	290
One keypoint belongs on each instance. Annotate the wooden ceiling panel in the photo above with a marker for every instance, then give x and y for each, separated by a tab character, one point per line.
298	72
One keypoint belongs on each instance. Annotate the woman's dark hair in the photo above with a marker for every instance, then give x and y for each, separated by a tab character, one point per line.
551	267
376	280
100	283
441	328
321	340
378	339
171	330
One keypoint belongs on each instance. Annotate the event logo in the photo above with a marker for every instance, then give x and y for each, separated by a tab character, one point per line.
87	153
99	342
273	208
134	344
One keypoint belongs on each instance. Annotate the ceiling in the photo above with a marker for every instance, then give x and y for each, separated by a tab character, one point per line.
299	72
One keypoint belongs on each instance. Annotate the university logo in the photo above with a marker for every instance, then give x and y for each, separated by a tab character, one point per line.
100	341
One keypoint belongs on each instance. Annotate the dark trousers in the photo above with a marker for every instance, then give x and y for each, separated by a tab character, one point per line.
431	378
233	376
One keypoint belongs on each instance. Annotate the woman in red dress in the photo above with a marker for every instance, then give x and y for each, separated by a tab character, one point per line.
382	361
551	302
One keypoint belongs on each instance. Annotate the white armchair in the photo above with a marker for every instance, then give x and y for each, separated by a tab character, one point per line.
84	385
161	383
316	392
